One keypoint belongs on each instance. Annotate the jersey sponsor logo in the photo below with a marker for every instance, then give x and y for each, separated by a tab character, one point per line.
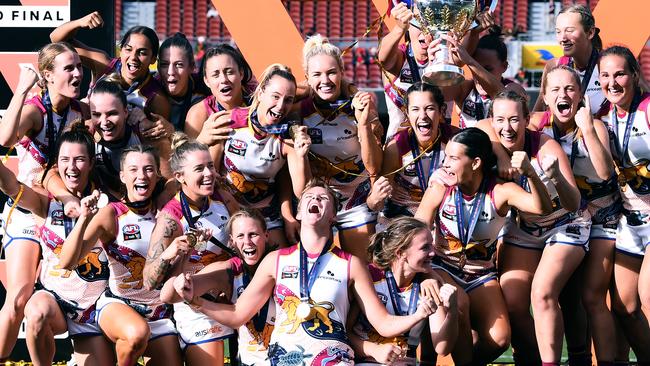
237	147
316	135
348	135
449	211
57	217
289	272
131	232
272	157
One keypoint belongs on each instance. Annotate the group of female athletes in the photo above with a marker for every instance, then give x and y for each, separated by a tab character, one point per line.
174	210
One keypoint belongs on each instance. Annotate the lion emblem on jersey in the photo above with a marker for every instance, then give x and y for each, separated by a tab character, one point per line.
638	177
251	191
132	260
261	339
320	315
322	167
91	267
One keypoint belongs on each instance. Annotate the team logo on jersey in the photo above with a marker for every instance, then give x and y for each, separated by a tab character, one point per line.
410	171
289	272
57	217
316	135
131	232
405	76
237	147
319	324
449	211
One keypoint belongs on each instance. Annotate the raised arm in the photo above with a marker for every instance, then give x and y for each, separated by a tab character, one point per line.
255	295
91	226
167	249
298	160
557	167
443	324
96	60
19	119
536	202
596	139
369	131
212	130
389	54
382	187
387	325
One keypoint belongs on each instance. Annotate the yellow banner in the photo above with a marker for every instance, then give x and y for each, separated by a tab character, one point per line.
535	56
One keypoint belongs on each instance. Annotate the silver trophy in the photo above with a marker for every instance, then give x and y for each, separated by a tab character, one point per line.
438	17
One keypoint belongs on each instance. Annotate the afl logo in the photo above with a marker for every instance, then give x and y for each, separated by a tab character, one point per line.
57	217
131	232
449	212
237	147
383	298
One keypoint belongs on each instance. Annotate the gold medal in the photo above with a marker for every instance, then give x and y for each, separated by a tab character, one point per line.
304	311
620	175
191	239
293	130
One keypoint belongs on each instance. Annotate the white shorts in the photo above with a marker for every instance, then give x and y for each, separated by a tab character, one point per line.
195	327
604	220
574	230
633	233
20	226
354	217
159	328
466	282
75	329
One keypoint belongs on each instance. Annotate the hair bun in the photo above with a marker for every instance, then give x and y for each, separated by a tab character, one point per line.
180	35
316	40
178	139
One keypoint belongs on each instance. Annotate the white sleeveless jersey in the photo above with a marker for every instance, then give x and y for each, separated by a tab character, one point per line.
601	196
365	331
32	151
336	142
76	291
407	191
395	91
480	251
251	163
253	341
127	256
474	108
214	218
636	196
323	339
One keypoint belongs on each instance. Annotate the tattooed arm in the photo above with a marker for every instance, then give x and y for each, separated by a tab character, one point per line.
167	248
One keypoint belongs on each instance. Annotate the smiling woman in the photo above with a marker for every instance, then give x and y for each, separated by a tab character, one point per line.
35	127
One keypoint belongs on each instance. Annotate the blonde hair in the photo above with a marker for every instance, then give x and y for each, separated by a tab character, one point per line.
182	145
319	45
271	71
46	56
385	246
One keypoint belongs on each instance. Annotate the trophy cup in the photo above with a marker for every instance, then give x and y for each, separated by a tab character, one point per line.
438	17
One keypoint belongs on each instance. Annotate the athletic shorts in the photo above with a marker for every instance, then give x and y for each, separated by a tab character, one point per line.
159	328
75	328
20	226
633	233
196	328
466	281
572	229
604	220
354	217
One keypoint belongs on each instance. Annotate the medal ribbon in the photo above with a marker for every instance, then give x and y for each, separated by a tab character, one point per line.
523	180
187	213
281	129
259	319
622	151
307	279
558	138
433	164
52	136
394	291
466	228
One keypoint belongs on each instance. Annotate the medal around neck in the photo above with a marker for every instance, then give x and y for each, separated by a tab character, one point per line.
304	311
102	201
